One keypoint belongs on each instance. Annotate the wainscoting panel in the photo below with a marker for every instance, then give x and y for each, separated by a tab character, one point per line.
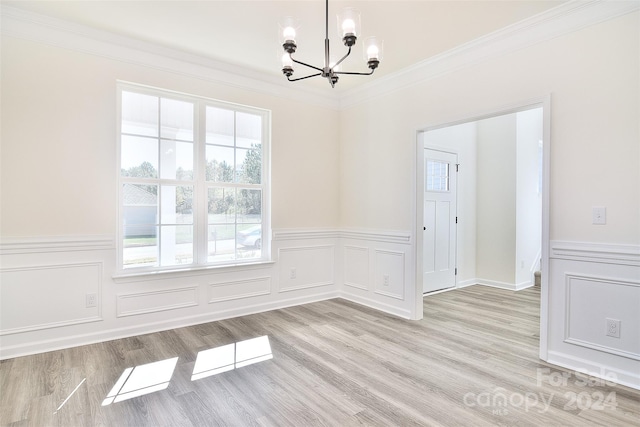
588	284
356	267
45	282
379	270
227	291
304	267
153	301
389	273
49	296
586	321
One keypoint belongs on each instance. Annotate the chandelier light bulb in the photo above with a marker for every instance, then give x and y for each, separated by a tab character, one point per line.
348	26
373	52
289	33
287	61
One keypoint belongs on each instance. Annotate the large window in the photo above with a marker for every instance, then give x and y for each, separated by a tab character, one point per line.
193	181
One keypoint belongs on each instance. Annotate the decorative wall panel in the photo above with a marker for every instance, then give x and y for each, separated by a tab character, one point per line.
150	302
227	291
586	321
40	297
306	267
389	273
356	267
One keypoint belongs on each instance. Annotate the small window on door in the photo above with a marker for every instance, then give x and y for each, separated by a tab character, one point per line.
437	175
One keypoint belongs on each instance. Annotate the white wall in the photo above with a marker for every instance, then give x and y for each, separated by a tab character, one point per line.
592	75
496	211
58	197
359	170
528	195
58	118
589	73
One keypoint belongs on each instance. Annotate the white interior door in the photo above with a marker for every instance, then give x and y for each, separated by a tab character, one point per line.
439	239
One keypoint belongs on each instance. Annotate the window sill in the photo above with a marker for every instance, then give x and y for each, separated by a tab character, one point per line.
186	272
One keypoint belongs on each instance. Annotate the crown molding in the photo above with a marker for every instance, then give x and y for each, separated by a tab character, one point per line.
44	29
566	18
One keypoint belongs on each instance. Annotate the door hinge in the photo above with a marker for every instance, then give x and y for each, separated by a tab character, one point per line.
457	167
456	220
455	271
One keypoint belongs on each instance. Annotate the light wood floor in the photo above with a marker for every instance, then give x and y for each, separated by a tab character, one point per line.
472	360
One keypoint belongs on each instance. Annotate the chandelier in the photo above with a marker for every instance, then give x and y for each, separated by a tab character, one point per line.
348	22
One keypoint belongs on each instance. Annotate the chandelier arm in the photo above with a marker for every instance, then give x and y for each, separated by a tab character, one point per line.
343	58
354	73
306	65
305	77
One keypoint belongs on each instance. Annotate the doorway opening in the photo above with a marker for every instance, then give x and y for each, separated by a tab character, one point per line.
492	227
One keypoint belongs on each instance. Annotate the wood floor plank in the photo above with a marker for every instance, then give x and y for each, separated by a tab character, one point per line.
472	361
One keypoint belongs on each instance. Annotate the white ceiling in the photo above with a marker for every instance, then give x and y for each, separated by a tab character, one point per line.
246	33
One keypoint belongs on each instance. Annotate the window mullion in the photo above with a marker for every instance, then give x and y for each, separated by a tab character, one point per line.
159	160
235	181
201	217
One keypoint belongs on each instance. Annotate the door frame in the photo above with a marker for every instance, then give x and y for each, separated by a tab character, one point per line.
545	103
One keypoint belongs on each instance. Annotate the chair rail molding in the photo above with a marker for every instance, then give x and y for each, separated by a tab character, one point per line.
596	252
44	244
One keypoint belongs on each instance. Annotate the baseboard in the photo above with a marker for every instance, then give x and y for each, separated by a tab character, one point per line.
377	305
9	352
608	373
524	285
465	283
428	294
496	284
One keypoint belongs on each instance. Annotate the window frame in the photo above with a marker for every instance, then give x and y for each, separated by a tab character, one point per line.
200	184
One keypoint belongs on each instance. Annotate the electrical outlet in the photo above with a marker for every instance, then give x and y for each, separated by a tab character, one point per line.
613	328
599	214
385	280
91	300
292	273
